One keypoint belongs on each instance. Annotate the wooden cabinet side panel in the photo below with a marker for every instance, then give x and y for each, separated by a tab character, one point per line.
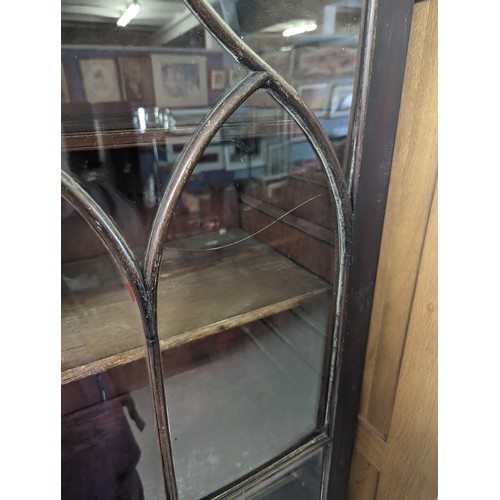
413	179
363	480
407	232
410	466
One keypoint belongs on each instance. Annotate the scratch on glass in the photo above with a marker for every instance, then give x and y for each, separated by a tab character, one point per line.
250	235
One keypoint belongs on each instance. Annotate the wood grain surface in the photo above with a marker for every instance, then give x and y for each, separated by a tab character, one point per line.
413	178
410	466
396	445
199	294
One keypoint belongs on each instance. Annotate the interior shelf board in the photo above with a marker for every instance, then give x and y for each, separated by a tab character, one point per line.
200	294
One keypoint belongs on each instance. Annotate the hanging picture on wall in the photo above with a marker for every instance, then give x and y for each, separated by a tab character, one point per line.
100	80
180	80
64	87
137	79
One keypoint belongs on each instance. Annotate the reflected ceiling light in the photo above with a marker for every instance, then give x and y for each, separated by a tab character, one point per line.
129	14
302	28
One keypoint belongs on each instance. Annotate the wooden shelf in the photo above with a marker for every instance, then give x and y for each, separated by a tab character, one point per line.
199	294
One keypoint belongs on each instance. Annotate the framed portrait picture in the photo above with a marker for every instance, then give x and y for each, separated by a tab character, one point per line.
218	79
316	96
64	87
180	80
100	80
137	79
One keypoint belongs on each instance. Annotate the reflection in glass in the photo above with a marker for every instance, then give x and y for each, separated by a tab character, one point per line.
246	398
108	440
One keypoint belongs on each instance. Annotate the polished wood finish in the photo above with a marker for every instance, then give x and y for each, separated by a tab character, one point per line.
396	443
200	294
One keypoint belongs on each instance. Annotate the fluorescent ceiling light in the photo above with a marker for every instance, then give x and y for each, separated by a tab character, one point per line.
129	14
302	28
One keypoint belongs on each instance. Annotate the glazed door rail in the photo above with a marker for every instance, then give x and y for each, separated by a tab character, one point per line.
143	280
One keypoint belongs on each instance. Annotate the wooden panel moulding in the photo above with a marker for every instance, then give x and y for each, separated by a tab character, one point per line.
370	443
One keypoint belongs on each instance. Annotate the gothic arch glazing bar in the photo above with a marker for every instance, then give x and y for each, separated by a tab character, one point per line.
144	281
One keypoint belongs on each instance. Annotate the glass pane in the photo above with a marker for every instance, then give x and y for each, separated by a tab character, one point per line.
104	439
246	291
300	482
246	285
108	441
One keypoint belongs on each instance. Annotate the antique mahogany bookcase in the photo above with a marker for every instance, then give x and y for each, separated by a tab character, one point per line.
224	190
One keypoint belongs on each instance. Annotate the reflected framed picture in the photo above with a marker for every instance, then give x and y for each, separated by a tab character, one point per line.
137	79
341	100
65	98
100	80
325	60
316	96
180	80
218	79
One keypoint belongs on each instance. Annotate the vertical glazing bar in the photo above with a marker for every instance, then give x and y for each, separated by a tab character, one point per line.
152	259
287	97
354	147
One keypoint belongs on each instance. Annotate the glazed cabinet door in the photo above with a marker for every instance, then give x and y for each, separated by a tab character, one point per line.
221	175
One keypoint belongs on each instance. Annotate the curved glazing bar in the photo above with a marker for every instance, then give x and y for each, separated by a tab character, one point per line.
289	99
185	165
132	274
287	96
314	132
110	235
